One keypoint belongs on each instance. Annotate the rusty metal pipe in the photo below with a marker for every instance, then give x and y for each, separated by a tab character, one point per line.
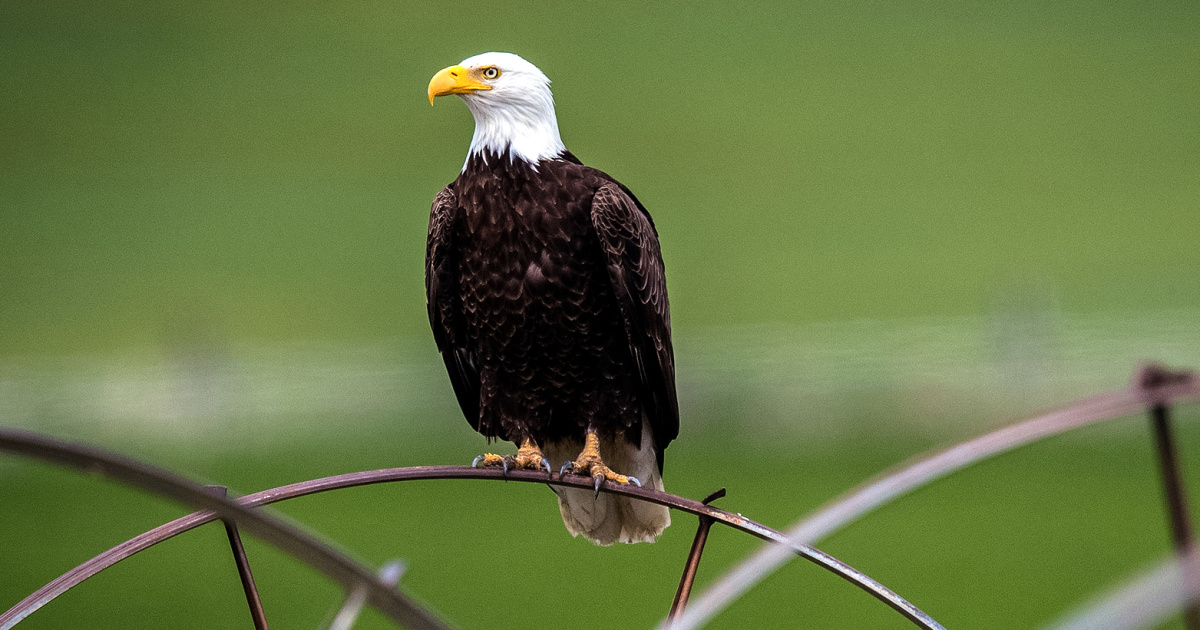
257	614
1177	505
169	484
693	562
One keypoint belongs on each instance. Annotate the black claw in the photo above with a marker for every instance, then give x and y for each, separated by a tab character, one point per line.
504	462
546	463
598	479
566	466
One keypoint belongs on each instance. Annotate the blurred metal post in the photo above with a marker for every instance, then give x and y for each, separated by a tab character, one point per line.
693	561
243	566
1177	504
345	618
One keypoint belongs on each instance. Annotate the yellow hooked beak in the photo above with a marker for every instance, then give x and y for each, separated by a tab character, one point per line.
455	80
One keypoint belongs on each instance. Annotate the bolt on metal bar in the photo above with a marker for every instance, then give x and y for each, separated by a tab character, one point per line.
693	561
243	566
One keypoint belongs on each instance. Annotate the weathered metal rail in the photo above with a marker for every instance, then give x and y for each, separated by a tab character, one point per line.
323	557
397	606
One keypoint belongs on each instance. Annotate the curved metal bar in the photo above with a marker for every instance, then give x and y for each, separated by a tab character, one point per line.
1151	385
1145	601
397	606
191	521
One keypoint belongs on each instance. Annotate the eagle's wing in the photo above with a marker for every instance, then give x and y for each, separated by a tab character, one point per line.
630	245
445	308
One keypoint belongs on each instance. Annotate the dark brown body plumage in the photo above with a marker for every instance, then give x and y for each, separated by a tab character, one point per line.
548	302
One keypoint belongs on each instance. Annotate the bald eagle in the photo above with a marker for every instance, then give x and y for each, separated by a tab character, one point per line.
548	303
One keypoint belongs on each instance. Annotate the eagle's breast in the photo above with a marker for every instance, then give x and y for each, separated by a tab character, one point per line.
537	300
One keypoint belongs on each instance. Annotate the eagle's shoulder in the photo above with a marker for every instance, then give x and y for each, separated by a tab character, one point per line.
596	180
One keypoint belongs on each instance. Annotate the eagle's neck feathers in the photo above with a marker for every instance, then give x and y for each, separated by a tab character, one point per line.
519	124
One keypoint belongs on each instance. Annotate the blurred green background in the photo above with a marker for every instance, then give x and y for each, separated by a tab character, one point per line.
887	226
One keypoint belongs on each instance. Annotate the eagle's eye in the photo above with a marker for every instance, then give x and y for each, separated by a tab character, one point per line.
491	72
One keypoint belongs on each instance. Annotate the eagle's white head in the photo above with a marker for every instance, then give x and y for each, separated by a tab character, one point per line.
511	102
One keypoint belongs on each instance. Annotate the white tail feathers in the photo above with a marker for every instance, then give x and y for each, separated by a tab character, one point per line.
610	518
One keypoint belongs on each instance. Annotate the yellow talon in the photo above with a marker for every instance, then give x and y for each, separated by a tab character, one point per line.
528	457
589	464
488	459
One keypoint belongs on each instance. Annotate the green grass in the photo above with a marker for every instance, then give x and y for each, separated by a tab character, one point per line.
201	177
266	172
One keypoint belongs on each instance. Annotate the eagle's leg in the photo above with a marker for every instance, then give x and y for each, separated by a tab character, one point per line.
528	457
589	464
